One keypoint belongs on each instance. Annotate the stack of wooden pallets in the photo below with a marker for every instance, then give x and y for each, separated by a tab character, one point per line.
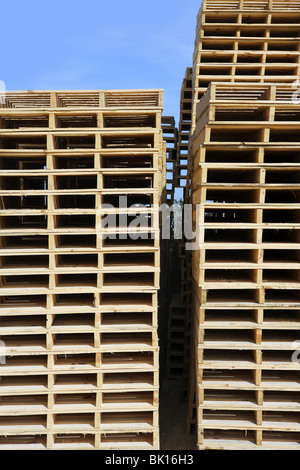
175	345
246	273
80	267
244	150
170	135
180	305
185	120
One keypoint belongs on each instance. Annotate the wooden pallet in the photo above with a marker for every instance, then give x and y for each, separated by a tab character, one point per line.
248	43
288	6
78	297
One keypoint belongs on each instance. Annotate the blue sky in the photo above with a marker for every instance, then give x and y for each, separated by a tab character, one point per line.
98	44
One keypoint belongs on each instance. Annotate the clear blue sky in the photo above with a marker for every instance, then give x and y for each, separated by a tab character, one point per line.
95	44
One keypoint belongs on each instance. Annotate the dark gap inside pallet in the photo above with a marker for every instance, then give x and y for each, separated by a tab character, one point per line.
229	436
24	222
279	336
39	361
230	156
74	201
71	260
29	261
73	163
128	200
124	221
278	316
128	279
277	357
20	122
281	236
129	259
230	275
127	438
250	46
71	142
281	71
215	32
228	356
127	319
230	215
74	320
240	115
288	216
24	183
82	300
23	163
252	32
284	33
127	181
75	221
285	135
23	202
282	46
232	255
283	196
68	280
278	59
143	378
247	58
219	196
210	18
282	177
23	143
15	301
70	359
76	241
116	299
15	321
254	18
62	380
243	135
278	19
230	236
116	141
231	296
279	275
281	256
222	316
282	295
217	45
247	71
75	182
76	121
38	441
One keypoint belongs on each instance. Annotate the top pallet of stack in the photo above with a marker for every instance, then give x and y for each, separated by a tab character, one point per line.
265	5
85	99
